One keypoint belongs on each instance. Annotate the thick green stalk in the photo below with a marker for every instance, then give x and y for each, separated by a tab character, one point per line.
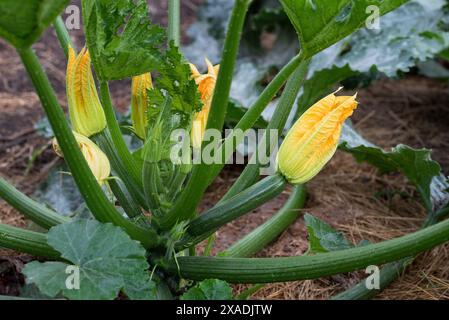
36	212
106	143
63	36
91	191
288	98
188	200
129	163
176	184
26	241
206	224
153	187
264	270
126	201
174	21
270	230
220	100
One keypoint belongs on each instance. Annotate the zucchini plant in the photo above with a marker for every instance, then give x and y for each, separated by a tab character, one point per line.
145	227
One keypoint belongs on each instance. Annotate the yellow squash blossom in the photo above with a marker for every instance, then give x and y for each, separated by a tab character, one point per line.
139	103
314	138
86	113
206	86
98	162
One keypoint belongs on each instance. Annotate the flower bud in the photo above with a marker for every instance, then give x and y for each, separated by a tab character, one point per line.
86	113
314	138
139	104
96	159
206	86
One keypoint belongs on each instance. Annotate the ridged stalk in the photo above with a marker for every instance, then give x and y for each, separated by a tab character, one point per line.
265	270
266	233
126	201
129	163
153	187
106	143
26	242
36	212
206	224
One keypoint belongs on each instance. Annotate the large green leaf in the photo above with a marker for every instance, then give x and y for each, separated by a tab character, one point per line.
322	237
413	33
210	289
416	165
121	39
107	258
321	23
22	22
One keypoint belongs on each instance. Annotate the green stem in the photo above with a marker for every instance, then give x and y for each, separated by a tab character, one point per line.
174	21
153	187
189	199
254	112
220	100
264	270
26	242
31	209
288	98
89	188
106	143
126	201
176	184
206	224
245	295
270	230
63	36
192	251
209	246
122	150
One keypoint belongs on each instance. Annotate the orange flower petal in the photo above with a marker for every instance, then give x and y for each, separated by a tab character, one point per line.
314	138
86	113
